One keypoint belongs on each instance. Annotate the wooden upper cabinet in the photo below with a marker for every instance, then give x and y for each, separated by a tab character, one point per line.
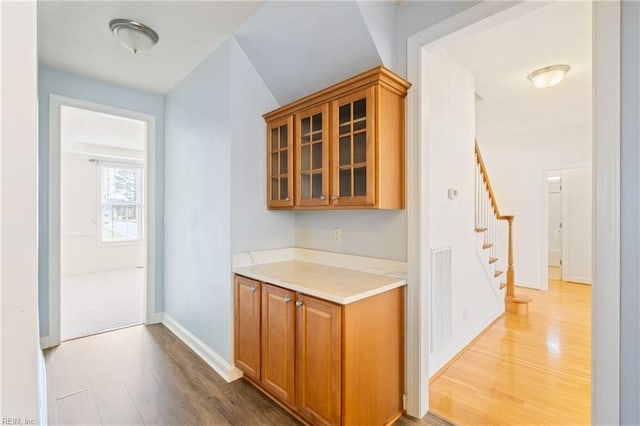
349	146
247	326
312	156
353	162
280	163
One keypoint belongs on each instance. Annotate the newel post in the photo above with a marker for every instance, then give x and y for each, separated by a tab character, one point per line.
510	271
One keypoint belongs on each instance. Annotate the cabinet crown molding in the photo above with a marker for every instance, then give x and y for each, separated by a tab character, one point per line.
378	75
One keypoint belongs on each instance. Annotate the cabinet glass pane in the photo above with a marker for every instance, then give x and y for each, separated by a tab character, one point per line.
345	182
305	153
345	150
284	189
317	136
317	122
274	188
360	148
317	155
345	119
317	185
274	139
283	136
283	162
359	109
274	164
360	181
305	122
360	124
306	186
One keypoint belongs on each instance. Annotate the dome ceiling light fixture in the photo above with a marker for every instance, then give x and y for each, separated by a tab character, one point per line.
133	35
550	76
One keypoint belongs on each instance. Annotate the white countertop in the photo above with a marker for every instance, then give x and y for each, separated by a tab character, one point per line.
337	285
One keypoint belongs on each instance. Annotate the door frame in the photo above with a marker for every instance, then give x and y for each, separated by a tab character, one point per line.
605	367
544	284
56	102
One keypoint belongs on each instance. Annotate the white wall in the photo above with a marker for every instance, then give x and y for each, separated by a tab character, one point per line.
253	227
449	116
517	166
578	225
81	251
215	201
19	348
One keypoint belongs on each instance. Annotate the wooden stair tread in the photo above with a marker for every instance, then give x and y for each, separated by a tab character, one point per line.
498	273
502	285
493	260
479	230
487	245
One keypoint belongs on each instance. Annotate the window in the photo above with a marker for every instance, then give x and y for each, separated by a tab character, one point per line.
121	203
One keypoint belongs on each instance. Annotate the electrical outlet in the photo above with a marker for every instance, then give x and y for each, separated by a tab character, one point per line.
337	236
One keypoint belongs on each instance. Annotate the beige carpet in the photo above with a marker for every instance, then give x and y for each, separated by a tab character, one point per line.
101	301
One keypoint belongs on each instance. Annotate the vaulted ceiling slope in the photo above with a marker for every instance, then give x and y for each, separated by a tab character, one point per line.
297	47
74	36
301	47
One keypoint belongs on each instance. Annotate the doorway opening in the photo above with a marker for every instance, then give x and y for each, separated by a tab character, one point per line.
474	87
569	224
101	204
102	212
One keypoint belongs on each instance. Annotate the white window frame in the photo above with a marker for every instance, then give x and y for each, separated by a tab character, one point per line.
139	168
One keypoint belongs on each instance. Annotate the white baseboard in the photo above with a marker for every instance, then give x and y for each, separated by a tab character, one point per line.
437	361
215	361
155	318
528	284
579	280
44	342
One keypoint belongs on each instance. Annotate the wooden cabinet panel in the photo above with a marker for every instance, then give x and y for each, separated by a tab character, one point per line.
312	157
278	342
318	360
373	348
353	163
247	326
280	163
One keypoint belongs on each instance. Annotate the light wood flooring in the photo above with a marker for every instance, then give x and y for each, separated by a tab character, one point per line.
533	369
146	375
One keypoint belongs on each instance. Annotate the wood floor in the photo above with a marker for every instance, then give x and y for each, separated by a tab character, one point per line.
531	369
146	375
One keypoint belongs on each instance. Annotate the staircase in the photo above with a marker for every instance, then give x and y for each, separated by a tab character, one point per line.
490	223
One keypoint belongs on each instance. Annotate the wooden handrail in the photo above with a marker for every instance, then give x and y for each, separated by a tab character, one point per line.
512	303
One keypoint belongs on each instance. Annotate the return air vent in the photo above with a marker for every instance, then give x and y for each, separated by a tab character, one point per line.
441	304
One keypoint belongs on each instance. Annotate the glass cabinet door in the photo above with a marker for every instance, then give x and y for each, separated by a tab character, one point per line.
353	165
312	152
280	163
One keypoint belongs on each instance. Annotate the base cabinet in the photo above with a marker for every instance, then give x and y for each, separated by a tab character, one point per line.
327	364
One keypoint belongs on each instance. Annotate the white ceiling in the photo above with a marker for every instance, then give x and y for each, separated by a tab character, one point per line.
90	132
501	58
74	36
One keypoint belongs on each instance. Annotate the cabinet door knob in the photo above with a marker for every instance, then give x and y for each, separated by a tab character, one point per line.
322	198
254	288
298	303
334	197
287	299
287	199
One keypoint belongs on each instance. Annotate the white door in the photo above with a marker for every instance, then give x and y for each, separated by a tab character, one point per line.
555	227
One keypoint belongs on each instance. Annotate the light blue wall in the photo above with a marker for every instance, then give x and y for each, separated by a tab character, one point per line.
54	81
198	290
630	217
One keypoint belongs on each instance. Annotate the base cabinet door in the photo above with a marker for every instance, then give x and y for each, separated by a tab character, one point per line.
247	326
278	342
318	360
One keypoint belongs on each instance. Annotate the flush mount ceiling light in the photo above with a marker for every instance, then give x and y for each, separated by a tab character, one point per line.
132	35
546	77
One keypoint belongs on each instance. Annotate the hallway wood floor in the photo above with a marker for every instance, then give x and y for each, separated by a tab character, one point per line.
146	375
533	369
